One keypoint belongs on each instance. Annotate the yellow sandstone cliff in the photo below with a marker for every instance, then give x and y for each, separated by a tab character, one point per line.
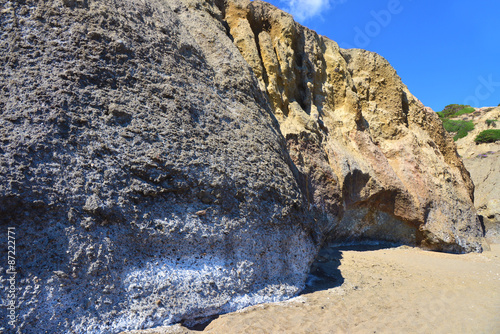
374	162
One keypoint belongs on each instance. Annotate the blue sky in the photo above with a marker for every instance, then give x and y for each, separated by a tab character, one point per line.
445	51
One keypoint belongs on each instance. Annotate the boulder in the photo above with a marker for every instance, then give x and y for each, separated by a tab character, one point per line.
142	169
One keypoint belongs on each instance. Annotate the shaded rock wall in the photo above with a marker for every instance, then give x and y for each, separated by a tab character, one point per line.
373	162
142	168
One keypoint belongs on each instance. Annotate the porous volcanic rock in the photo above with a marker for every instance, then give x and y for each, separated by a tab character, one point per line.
142	169
169	160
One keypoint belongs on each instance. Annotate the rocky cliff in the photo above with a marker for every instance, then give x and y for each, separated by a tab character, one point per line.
482	160
142	169
373	161
168	160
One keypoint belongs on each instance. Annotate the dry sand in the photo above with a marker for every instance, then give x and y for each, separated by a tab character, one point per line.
386	290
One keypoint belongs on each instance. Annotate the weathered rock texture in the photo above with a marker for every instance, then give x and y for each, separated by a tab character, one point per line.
141	167
483	163
373	161
153	176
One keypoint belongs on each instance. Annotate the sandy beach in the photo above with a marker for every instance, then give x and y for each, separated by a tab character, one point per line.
371	289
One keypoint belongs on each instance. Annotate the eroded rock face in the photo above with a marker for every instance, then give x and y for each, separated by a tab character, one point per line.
483	163
142	169
373	162
168	160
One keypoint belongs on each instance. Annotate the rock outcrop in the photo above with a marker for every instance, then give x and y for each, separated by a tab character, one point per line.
168	160
142	169
373	161
483	163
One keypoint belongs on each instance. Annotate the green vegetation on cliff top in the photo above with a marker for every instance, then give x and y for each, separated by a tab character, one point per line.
455	110
488	136
461	128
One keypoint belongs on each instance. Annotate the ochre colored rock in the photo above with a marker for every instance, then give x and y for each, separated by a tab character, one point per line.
373	161
483	163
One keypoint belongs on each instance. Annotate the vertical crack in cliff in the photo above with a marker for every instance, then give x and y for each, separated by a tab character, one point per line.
303	92
405	108
257	28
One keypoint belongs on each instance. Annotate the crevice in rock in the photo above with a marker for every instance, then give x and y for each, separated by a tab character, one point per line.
257	28
298	45
221	4
406	108
481	221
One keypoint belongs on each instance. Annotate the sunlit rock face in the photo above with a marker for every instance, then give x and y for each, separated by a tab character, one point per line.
373	161
482	160
169	160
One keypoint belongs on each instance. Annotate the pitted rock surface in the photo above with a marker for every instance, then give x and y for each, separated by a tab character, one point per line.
142	168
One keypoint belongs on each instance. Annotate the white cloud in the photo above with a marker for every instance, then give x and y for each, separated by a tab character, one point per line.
306	9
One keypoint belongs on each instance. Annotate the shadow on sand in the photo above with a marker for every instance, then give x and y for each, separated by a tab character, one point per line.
325	273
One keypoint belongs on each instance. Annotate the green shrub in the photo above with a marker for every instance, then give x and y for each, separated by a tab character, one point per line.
461	128
467	110
454	110
488	136
491	121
